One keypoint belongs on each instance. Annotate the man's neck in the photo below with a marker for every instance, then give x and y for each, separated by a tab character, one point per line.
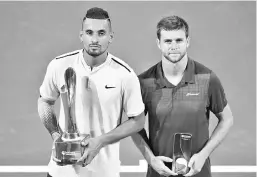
174	69
94	61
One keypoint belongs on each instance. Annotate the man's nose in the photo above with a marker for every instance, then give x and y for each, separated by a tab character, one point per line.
94	39
173	46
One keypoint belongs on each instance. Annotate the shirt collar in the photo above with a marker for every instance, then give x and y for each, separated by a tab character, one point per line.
107	61
189	75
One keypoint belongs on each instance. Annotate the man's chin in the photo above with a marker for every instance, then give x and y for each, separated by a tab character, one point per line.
173	60
94	54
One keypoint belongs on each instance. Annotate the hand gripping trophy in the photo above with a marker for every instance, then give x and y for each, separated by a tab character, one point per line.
67	148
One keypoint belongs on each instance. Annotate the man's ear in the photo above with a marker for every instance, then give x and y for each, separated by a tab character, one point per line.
188	41
111	37
80	36
158	43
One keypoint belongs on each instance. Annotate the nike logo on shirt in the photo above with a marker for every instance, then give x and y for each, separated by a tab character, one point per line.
107	87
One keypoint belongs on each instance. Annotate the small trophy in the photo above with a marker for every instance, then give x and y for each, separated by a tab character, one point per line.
67	148
182	145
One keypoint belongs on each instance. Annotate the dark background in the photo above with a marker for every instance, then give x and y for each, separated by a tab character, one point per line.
223	37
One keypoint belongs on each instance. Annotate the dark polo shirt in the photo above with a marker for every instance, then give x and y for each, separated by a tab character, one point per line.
184	108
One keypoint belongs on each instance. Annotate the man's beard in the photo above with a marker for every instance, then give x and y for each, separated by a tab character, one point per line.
94	53
175	61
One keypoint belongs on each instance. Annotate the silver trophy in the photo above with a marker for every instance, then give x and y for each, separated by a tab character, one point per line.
67	148
182	151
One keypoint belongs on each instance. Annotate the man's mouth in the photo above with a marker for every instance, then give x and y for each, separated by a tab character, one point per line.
94	46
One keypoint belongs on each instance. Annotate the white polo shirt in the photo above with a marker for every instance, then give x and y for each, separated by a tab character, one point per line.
102	94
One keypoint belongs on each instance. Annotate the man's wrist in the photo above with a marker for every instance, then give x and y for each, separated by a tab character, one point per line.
150	160
102	140
205	153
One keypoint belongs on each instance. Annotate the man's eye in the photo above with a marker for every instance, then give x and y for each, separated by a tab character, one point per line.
168	41
101	33
89	32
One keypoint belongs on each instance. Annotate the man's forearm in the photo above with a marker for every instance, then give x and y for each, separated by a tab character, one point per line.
131	126
142	142
218	135
47	116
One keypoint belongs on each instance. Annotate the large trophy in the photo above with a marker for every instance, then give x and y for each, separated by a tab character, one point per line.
67	148
182	147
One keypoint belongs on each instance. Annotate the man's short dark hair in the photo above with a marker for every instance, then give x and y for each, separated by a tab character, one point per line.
172	23
97	13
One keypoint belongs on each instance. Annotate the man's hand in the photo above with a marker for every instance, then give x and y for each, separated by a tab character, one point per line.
195	164
92	148
55	136
158	165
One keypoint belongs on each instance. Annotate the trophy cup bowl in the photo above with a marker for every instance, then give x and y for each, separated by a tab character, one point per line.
67	148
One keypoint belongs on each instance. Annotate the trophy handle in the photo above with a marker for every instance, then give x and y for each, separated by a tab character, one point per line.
68	147
68	100
69	125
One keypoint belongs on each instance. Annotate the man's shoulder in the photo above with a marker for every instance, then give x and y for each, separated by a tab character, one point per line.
67	55
63	60
201	68
203	72
120	64
149	73
148	78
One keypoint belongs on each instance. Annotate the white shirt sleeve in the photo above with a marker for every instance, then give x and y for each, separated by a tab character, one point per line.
132	98
49	89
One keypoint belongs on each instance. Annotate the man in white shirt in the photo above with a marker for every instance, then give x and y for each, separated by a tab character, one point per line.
105	87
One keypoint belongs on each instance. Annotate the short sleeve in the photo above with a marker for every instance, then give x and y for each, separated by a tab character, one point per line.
49	89
132	99
143	93
217	97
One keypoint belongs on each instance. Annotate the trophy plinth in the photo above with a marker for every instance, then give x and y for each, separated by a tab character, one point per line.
67	148
68	151
182	145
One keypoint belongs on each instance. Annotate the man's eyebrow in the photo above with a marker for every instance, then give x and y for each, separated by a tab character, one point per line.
93	30
173	39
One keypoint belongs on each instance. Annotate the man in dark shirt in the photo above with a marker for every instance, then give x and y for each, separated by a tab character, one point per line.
179	94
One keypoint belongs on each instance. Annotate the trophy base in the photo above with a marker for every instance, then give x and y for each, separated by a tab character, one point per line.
180	166
67	152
